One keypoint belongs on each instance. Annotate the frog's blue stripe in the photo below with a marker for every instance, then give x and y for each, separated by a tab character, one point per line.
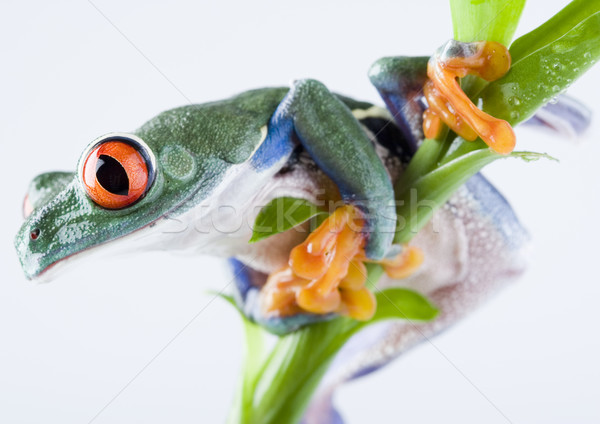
399	81
248	283
278	143
242	279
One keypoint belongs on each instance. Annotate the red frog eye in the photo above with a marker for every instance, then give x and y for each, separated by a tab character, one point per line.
115	174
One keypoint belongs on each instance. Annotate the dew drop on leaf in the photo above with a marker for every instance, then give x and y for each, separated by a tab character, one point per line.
514	101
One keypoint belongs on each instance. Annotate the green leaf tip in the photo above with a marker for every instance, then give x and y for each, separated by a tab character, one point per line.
532	156
401	303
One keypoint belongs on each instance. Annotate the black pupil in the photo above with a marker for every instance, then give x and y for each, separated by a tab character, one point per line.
112	176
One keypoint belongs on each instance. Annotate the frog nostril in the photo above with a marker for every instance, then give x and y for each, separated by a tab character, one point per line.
35	233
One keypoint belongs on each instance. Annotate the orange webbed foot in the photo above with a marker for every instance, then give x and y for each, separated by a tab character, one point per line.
449	104
327	274
324	274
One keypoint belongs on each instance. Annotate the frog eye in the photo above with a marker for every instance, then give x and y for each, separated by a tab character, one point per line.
116	172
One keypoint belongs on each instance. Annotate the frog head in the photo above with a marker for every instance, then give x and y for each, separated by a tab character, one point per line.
128	186
122	188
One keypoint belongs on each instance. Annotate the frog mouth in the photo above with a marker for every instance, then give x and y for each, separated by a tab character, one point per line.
54	269
119	246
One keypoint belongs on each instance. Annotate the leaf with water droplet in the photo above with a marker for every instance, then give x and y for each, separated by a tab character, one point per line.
572	36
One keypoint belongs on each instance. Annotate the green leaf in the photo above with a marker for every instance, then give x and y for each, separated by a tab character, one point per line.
491	20
282	214
425	160
546	62
254	356
418	200
532	156
399	303
556	27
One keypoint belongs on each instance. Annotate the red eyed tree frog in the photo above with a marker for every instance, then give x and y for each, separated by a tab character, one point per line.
210	167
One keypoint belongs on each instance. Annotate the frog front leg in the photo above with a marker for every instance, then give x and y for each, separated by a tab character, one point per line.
326	273
339	146
400	82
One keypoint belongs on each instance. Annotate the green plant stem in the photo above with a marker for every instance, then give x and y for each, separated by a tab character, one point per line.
294	370
276	387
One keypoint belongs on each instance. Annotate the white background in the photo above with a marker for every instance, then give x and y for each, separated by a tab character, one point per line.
67	348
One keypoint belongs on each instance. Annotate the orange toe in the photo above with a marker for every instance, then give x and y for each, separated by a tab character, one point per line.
405	264
448	103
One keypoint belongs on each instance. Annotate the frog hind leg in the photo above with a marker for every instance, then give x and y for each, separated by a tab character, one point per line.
400	81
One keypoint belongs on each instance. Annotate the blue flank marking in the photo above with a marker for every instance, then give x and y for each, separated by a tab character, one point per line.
244	284
278	143
397	105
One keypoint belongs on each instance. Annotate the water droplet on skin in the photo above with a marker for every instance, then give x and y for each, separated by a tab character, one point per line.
514	101
554	100
515	115
557	67
575	70
587	55
556	88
